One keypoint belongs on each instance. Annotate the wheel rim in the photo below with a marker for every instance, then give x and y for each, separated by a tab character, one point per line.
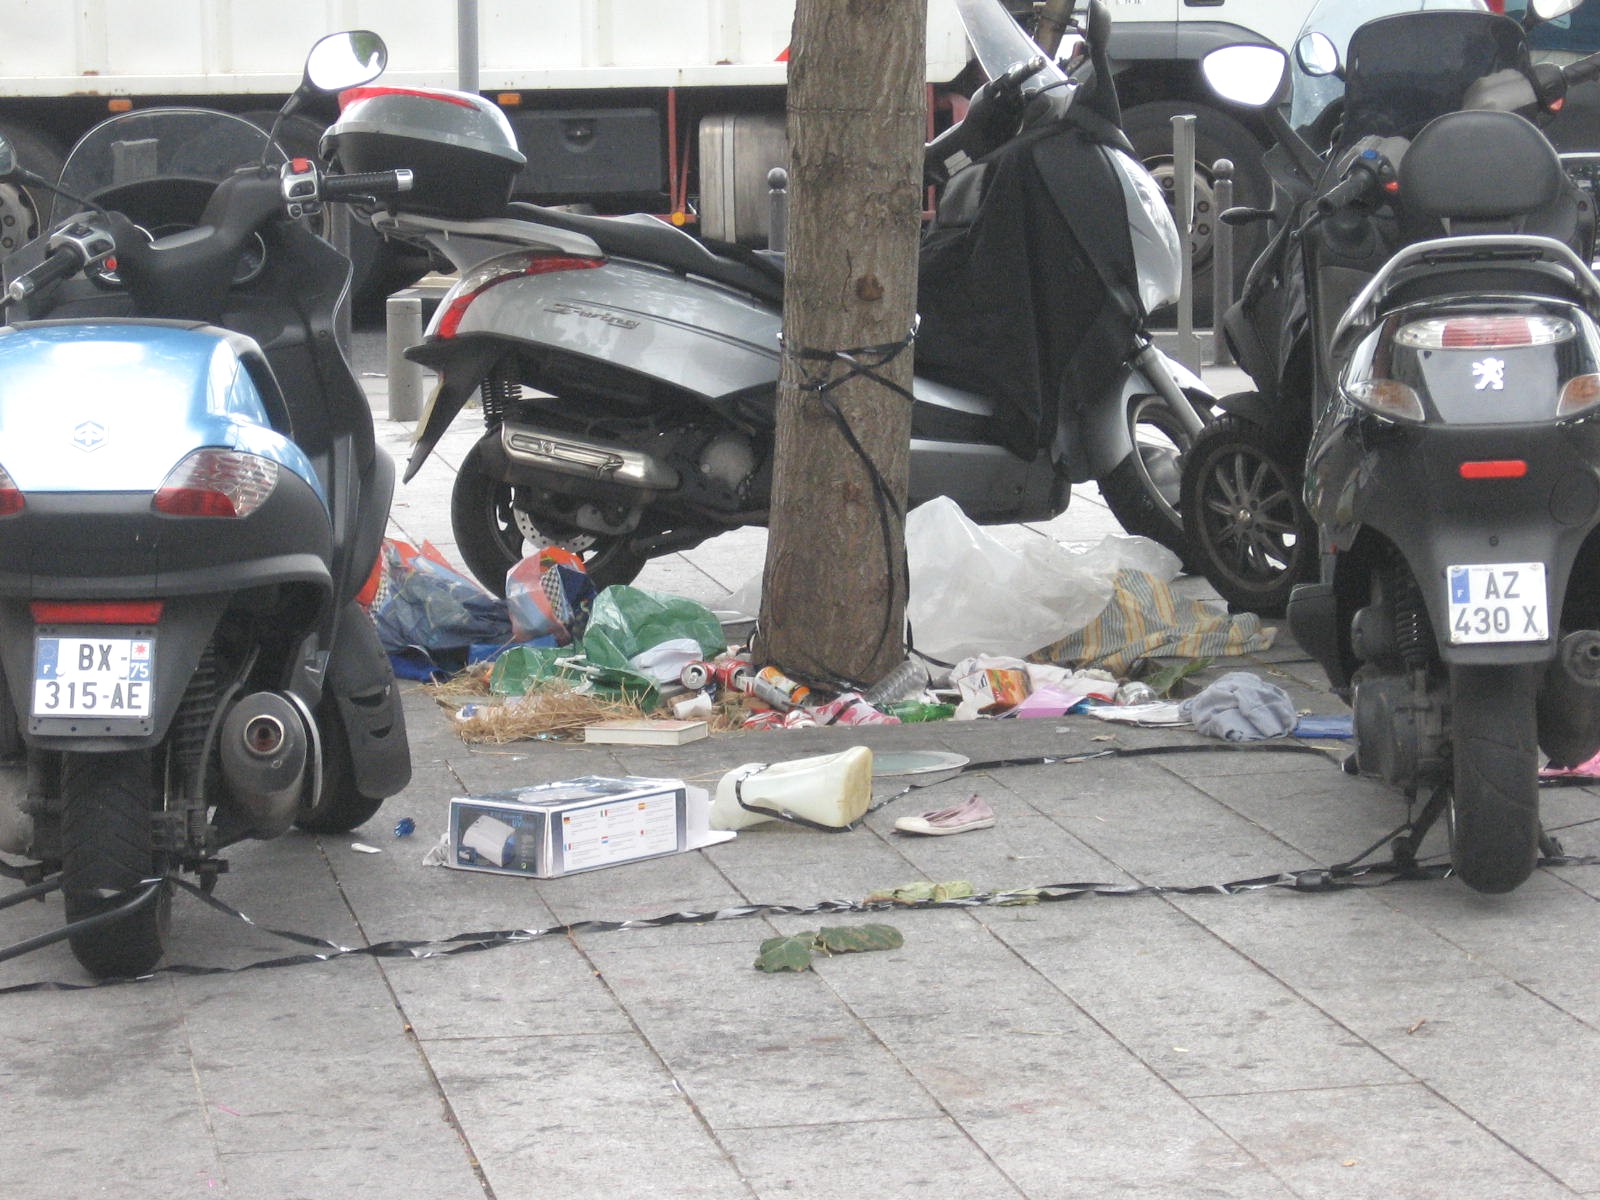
1202	233
19	219
1249	513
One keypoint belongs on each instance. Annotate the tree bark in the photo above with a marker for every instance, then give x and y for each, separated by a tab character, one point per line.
834	586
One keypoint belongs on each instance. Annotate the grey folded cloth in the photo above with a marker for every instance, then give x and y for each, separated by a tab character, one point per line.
1241	708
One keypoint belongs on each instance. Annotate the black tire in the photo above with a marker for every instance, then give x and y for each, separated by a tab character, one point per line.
25	209
1216	135
107	845
1245	516
341	807
1144	490
493	537
1494	801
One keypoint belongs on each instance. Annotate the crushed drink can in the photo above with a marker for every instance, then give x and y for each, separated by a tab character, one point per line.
799	718
770	719
772	686
724	673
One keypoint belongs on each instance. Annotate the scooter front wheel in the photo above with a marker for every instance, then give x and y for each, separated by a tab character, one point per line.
108	846
1494	802
1143	490
1244	516
493	533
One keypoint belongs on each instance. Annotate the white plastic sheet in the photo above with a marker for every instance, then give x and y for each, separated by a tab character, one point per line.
973	595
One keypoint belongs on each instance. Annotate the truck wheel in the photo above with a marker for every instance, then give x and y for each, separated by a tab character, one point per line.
1494	801
1216	135
24	209
1244	516
493	536
107	845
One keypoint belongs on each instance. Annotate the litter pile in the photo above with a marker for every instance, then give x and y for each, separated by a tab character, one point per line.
1079	630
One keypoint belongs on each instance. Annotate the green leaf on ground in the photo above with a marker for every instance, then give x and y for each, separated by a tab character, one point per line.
1165	678
923	891
847	939
786	953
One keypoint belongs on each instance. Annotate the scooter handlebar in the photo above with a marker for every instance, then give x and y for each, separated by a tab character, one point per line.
1352	189
1582	71
63	262
366	183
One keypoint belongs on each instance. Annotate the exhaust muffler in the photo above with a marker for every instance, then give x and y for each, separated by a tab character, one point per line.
264	751
1568	705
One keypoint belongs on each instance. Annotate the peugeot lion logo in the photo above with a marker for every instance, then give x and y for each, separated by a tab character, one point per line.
90	435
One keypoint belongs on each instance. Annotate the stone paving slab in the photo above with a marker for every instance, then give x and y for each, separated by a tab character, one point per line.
1410	1041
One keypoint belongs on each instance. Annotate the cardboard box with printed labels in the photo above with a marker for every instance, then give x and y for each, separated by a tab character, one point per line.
572	825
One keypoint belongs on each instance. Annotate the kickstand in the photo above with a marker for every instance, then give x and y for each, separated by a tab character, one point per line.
1405	841
1406	844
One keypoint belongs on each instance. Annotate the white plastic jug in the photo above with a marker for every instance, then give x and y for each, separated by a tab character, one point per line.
829	789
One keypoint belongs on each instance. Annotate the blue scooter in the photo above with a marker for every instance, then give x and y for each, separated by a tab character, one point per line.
191	499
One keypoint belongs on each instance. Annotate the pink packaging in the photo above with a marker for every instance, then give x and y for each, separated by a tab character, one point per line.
851	709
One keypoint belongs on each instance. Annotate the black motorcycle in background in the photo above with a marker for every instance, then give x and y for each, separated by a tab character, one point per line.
1452	432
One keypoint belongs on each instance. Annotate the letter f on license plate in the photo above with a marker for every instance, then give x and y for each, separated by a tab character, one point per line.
1497	602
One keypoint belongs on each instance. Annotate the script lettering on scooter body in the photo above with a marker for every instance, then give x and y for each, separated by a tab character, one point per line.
564	308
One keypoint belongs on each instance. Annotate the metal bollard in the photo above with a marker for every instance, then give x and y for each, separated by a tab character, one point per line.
1183	210
1221	257
778	212
403	323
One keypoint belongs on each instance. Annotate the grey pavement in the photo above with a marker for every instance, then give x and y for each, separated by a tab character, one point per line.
1414	1040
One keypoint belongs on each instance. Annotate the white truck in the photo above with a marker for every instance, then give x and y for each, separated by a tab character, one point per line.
621	104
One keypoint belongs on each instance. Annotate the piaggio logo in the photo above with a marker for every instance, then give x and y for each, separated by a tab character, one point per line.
90	435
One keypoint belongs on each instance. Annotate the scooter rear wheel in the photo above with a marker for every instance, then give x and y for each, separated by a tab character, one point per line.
1245	518
108	845
1494	802
493	535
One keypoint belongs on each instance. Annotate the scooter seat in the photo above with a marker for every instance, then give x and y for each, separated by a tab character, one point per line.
649	240
1442	173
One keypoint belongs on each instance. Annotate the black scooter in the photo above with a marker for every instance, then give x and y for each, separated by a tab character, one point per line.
1453	467
190	501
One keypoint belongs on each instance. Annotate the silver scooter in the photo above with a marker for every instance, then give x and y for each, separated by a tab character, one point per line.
628	371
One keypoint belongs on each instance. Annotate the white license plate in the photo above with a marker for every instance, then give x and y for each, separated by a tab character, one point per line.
1497	602
88	675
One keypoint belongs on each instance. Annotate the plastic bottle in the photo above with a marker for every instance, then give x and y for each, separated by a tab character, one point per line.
1136	692
915	711
905	681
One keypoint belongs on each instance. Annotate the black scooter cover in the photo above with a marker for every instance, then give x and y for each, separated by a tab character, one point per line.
1033	300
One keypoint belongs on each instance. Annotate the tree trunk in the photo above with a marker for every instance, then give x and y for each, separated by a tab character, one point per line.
834	587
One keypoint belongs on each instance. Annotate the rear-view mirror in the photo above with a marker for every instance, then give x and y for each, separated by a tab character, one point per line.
1249	75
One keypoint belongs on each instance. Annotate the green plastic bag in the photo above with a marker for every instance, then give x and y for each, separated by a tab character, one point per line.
626	621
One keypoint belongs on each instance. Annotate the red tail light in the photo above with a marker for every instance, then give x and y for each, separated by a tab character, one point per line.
1500	468
498	270
350	95
217	483
11	501
95	612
